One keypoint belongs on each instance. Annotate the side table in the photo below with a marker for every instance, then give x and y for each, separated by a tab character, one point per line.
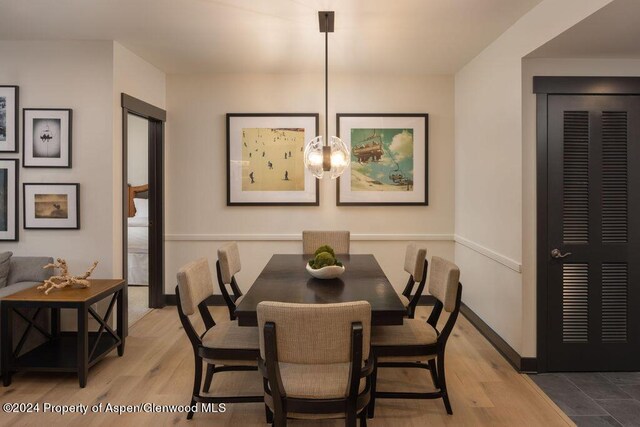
64	351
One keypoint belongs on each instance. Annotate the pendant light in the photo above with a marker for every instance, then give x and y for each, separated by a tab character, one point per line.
328	154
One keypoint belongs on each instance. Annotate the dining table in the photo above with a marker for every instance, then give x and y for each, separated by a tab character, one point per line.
285	279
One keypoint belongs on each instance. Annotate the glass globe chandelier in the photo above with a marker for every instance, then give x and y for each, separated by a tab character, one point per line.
328	154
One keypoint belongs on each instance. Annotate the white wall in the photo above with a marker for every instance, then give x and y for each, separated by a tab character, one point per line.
136	77
76	75
548	67
197	218
488	158
137	150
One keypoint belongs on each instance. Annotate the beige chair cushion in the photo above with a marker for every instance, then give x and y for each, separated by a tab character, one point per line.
414	260
328	381
229	257
195	285
443	282
405	300
411	332
239	300
228	335
338	240
315	333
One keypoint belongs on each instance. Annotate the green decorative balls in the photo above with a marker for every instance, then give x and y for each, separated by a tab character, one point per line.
324	256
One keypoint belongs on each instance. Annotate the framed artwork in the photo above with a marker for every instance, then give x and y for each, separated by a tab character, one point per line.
265	160
8	119
389	159
51	206
9	200
46	138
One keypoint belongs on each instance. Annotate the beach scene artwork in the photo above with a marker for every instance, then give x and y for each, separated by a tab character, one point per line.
382	159
51	206
273	159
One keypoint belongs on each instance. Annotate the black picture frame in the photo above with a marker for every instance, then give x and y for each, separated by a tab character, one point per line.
232	192
344	196
66	152
32	223
11	148
12	232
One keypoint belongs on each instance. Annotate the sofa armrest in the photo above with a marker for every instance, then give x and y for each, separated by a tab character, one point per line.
29	269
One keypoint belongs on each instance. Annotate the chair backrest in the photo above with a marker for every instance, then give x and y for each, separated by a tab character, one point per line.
444	278
229	257
315	333
195	285
414	261
338	240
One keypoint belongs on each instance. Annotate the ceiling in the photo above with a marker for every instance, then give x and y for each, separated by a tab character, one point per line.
274	36
611	32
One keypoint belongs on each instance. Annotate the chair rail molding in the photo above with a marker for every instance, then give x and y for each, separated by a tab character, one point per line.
495	256
298	237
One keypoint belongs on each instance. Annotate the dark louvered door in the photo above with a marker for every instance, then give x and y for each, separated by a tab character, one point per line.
594	233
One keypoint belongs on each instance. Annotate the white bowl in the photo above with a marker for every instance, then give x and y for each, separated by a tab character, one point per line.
328	272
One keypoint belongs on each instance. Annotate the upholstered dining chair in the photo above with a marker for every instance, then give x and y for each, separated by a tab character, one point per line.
227	266
415	263
315	360
338	240
224	346
416	340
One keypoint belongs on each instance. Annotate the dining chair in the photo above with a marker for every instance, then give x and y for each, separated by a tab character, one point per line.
338	240
419	344
223	346
227	266
315	360
415	263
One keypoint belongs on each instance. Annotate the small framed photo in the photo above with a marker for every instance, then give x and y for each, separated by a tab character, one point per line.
51	206
46	138
9	200
265	159
8	119
389	160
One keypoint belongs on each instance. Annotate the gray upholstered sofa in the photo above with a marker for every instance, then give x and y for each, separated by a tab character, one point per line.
26	272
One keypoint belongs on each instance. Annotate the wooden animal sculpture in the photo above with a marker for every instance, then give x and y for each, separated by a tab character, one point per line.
64	279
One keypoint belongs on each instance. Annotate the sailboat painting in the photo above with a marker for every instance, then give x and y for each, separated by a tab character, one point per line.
381	159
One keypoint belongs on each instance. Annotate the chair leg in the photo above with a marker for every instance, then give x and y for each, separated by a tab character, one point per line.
443	384
374	378
197	380
363	417
208	378
268	414
434	373
351	419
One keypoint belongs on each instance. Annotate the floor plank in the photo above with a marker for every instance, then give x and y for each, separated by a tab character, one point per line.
158	368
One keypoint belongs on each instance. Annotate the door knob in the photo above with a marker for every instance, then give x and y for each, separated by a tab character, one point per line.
557	254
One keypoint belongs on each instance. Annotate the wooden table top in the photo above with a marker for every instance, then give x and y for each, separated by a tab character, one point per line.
98	288
285	279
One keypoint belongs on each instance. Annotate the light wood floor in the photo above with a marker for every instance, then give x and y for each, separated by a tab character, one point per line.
158	367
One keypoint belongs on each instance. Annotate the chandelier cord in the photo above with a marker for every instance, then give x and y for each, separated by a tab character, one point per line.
326	79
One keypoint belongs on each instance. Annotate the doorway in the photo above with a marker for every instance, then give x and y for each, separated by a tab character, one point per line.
143	230
588	223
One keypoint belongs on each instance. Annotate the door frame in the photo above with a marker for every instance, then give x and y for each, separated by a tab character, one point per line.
156	117
543	86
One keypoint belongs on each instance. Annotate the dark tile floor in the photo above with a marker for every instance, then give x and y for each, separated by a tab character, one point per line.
595	399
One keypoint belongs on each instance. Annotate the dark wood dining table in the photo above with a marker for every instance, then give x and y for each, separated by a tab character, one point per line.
285	279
